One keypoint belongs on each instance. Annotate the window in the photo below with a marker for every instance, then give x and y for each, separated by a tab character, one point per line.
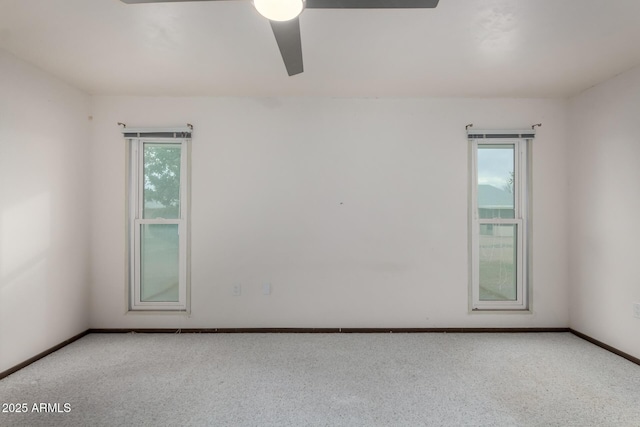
158	221
499	227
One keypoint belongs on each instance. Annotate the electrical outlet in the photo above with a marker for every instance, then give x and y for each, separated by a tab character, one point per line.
636	309
237	289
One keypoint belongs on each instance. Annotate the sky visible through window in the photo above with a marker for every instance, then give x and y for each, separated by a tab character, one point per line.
495	165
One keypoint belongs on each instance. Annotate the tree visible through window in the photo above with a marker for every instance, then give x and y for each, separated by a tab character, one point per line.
162	180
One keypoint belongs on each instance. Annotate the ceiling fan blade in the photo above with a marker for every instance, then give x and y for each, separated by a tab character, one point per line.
288	37
370	4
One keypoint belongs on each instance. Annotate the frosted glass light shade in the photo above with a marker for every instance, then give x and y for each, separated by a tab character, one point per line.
279	10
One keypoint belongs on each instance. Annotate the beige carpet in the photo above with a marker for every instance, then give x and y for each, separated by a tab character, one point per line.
510	379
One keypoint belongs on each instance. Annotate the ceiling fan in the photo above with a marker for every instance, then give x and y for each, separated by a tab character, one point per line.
283	16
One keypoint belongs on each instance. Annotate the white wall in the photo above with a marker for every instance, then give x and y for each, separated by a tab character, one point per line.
354	209
604	143
44	213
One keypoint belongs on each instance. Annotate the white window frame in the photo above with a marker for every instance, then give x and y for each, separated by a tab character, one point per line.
136	221
521	207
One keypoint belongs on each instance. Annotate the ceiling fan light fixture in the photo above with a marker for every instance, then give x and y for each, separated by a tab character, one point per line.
279	10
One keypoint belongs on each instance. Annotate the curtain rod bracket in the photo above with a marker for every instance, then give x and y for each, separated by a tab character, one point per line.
537	124
190	126
122	124
470	125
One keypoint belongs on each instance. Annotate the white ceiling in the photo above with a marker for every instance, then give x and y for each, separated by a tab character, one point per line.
478	48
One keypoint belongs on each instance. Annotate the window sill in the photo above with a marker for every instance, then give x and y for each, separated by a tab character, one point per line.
500	311
155	312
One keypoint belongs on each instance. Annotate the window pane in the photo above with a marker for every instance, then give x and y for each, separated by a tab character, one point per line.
159	259
498	243
161	181
496	181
